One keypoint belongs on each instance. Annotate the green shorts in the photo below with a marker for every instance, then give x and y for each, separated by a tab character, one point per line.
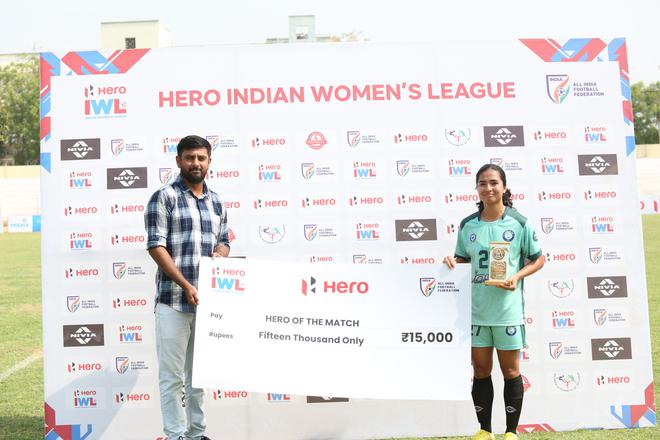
502	337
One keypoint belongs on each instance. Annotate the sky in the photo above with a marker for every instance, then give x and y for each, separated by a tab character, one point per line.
46	25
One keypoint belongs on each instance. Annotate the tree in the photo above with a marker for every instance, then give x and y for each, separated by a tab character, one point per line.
646	106
19	111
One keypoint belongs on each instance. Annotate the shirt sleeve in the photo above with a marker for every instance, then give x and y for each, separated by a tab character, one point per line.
223	233
155	220
460	247
531	247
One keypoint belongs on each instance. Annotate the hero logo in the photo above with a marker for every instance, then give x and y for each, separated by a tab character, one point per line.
260	203
268	142
137	208
223	174
560	256
84	399
461	198
270	173
612	380
416	199
227	280
116	239
400	138
84	367
316	140
540	135
365	200
321	259
367	231
170	144
308	202
118	303
552	165
130	334
80	241
123	178
563	319
235	204
602	225
104	107
80	211
599	195
83	272
80	180
219	395
418	260
364	170
553	195
80	149
459	167
343	287
132	397
595	135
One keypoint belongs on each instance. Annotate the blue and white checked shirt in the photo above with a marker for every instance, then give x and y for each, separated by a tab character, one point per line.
188	228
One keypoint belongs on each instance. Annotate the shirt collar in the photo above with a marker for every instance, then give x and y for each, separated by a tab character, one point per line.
179	182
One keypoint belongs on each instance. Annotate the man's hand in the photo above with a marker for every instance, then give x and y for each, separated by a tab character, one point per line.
191	295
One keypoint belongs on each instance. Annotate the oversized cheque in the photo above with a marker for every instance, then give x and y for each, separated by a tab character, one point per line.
333	330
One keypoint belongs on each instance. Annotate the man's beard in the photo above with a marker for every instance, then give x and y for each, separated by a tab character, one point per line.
193	178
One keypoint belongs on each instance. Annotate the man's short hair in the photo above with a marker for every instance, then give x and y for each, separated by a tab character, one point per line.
191	142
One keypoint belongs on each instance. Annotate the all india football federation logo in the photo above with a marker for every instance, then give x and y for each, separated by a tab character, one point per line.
121	364
558	87
595	254
117	146
73	303
547	225
427	286
307	170
311	232
600	317
166	175
402	167
556	349
353	138
119	269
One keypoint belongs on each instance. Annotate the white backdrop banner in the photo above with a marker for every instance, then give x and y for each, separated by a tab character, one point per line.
340	329
359	154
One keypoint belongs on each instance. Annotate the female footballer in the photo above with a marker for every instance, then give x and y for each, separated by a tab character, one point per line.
497	310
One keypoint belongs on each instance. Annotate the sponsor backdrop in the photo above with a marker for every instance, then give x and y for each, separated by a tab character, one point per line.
362	154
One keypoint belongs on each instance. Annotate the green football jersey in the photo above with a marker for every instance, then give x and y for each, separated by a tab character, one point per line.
492	305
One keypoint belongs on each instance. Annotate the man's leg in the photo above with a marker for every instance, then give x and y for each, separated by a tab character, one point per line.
172	334
194	396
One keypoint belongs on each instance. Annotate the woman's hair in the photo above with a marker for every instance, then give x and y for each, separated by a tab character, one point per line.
506	197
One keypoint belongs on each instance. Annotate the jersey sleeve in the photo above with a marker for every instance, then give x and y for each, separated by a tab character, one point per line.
531	247
460	250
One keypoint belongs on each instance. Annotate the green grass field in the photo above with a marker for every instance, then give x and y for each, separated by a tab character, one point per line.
21	394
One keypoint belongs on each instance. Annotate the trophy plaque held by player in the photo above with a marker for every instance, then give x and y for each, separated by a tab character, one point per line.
498	266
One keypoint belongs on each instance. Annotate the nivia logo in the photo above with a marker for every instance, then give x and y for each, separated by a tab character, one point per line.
504	136
416	229
83	335
80	149
598	165
607	287
606	349
127	178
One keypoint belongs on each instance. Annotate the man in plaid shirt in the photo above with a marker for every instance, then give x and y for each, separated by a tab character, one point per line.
185	221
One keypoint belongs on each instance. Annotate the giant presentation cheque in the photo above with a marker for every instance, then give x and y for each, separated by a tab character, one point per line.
333	330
